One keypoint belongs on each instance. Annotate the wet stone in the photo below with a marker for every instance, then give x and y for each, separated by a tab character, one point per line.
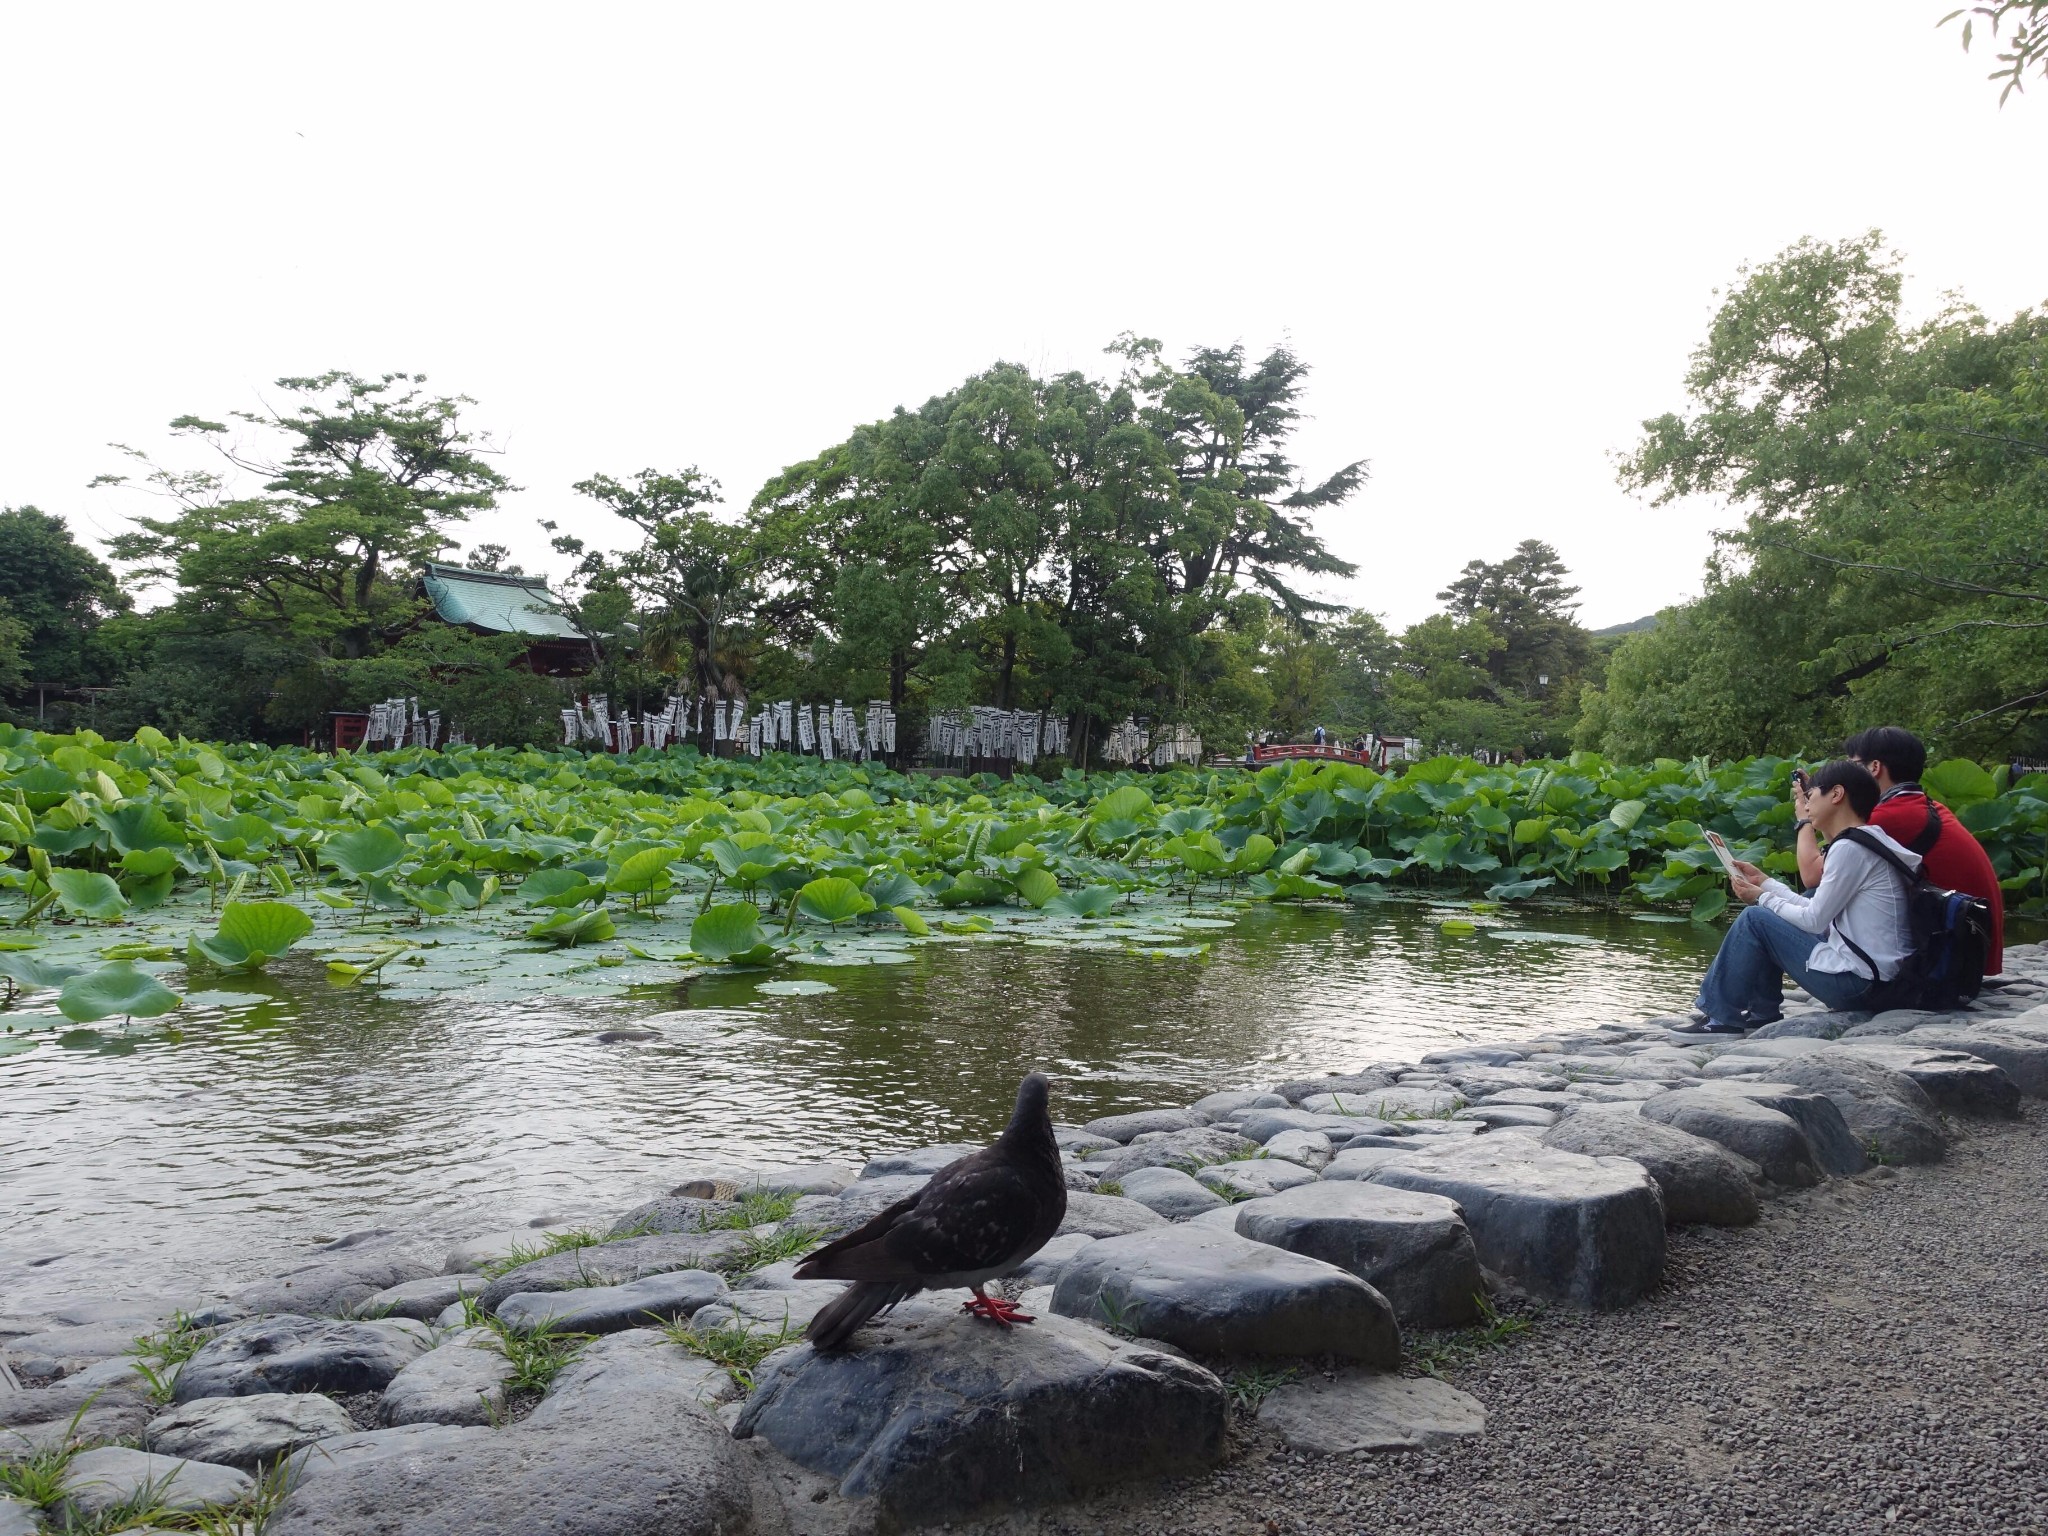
1414	1249
301	1354
247	1432
1107	1216
1171	1193
1125	1127
105	1479
639	1303
1310	1149
614	1263
1254	1176
332	1285
1357	1411
1214	1293
937	1417
461	1380
1186	1150
422	1300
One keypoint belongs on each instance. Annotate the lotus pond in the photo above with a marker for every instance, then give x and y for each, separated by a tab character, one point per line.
253	997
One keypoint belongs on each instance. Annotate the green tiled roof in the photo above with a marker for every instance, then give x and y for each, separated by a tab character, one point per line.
506	605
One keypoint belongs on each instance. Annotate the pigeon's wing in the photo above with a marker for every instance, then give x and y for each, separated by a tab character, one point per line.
822	1263
976	1214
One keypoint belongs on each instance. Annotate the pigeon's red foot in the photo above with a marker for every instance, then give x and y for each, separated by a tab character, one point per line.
996	1310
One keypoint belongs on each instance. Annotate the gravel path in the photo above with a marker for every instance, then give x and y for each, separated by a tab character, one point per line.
1872	1356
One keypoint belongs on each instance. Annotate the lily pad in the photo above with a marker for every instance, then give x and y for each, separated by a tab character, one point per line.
800	987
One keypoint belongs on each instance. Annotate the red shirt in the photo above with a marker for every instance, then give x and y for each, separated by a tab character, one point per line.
1956	862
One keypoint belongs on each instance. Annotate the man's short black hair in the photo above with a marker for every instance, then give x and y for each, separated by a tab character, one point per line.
1856	779
1903	754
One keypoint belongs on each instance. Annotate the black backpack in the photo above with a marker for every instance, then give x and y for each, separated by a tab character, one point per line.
1950	931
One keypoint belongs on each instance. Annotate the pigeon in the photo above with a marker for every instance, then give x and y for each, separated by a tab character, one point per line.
977	1220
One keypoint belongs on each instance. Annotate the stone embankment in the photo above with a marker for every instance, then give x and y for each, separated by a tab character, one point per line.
1245	1266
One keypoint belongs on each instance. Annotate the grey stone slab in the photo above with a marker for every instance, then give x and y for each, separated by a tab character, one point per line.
721	1181
938	1417
617	1377
920	1161
1473	1056
332	1284
114	1416
107	1478
767	1312
1071	1138
1888	1113
1233	1102
1107	1216
1583	1230
1357	1411
1349	1082
422	1300
1402	1101
625	1450
1835	1149
1214	1293
1311	1149
614	1263
301	1354
461	1380
1262	1125
247	1432
1770	1139
60	1401
338	1452
1254	1176
1495	1115
2024	1059
1362	1162
1126	1126
1414	1249
867	1199
653	1299
1171	1193
1701	1180
1186	1150
17	1518
1044	1266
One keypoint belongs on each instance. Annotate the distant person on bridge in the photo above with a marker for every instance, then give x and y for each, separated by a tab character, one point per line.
1319	736
1951	856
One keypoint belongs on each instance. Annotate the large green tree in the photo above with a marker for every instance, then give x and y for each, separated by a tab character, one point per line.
358	481
60	593
1892	560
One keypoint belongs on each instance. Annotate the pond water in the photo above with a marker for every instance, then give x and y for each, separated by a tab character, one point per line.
160	1162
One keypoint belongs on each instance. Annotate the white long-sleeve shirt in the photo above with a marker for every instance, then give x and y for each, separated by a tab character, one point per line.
1860	896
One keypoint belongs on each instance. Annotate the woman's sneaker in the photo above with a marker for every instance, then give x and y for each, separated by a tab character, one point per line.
1702	1025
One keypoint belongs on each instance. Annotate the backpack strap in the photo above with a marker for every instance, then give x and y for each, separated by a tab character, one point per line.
1863	837
1929	834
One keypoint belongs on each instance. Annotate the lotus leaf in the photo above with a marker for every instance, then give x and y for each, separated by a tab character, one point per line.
802	987
367	851
85	894
252	934
1093	901
32	973
1037	886
728	931
570	928
116	989
833	900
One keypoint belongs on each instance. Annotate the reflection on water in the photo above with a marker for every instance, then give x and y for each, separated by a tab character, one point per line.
156	1165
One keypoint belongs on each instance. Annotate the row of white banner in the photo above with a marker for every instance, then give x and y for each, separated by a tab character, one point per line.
786	726
400	723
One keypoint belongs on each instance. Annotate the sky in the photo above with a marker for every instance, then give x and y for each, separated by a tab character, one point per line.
662	235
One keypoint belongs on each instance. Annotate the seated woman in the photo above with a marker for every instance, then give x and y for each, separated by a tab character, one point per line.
1840	943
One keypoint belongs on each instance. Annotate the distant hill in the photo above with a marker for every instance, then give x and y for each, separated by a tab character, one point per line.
1648	621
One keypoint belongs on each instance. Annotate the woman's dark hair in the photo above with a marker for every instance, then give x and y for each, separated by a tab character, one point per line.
1856	779
1903	754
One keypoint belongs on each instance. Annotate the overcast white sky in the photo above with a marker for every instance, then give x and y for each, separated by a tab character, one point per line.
662	235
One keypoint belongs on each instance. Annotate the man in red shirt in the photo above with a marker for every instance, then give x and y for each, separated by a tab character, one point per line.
1951	857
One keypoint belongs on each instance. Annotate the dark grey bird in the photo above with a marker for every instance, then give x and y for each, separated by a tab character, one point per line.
976	1221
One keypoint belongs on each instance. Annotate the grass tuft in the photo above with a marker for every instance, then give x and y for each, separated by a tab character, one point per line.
552	1243
736	1346
156	1355
1249	1385
753	1209
1453	1347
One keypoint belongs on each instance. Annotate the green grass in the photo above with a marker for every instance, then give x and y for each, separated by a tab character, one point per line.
552	1243
155	1354
1119	1317
1109	1187
1434	1353
538	1355
738	1346
38	1480
1248	1385
753	1209
788	1241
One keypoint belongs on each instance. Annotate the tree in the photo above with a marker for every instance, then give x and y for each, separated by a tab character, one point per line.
2026	45
58	593
14	642
1529	608
1363	657
368	480
691	577
1894	486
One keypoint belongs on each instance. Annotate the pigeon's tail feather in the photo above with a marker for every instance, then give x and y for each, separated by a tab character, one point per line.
838	1322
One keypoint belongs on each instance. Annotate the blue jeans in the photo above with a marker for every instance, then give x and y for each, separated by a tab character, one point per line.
1745	984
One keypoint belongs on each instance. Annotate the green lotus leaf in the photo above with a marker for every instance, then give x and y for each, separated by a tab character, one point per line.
727	931
644	871
795	988
365	852
569	928
833	900
83	893
115	990
139	826
912	922
1037	886
32	973
894	889
1091	902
